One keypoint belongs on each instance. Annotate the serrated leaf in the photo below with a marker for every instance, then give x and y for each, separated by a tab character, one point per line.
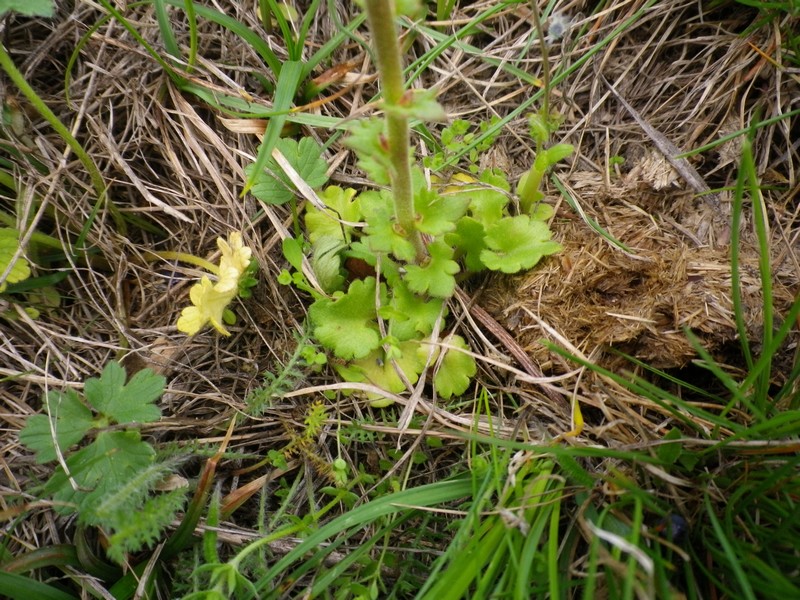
9	244
437	214
71	419
368	139
456	370
152	518
381	233
102	466
272	186
517	243
380	371
435	277
28	8
347	323
131	403
342	205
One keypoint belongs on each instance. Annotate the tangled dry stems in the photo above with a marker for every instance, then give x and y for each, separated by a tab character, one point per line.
176	163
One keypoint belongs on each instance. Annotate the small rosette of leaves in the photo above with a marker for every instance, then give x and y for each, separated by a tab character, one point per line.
468	228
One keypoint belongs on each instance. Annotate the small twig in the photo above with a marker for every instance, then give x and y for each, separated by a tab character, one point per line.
670	152
499	332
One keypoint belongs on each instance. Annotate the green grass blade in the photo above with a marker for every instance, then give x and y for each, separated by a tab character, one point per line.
343	32
294	46
535	97
427	495
731	136
746	591
98	182
288	82
762	234
191	16
249	36
165	29
736	278
168	69
19	587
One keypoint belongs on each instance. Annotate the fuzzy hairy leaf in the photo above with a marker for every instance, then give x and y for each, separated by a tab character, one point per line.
368	139
130	495
418	104
272	186
517	243
152	518
71	419
347	323
131	403
382	234
436	276
99	468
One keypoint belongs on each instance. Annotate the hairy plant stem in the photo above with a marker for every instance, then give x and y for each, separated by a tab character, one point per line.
381	17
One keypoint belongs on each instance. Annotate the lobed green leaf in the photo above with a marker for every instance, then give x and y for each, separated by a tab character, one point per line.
131	403
272	186
517	243
71	420
436	276
347	323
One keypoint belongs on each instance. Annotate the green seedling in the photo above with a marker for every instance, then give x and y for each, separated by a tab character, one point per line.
530	194
109	482
457	142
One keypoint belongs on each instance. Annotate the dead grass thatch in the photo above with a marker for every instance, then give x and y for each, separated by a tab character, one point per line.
177	165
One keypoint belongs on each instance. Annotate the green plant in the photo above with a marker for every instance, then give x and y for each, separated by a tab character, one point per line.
456	141
13	267
387	261
113	477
